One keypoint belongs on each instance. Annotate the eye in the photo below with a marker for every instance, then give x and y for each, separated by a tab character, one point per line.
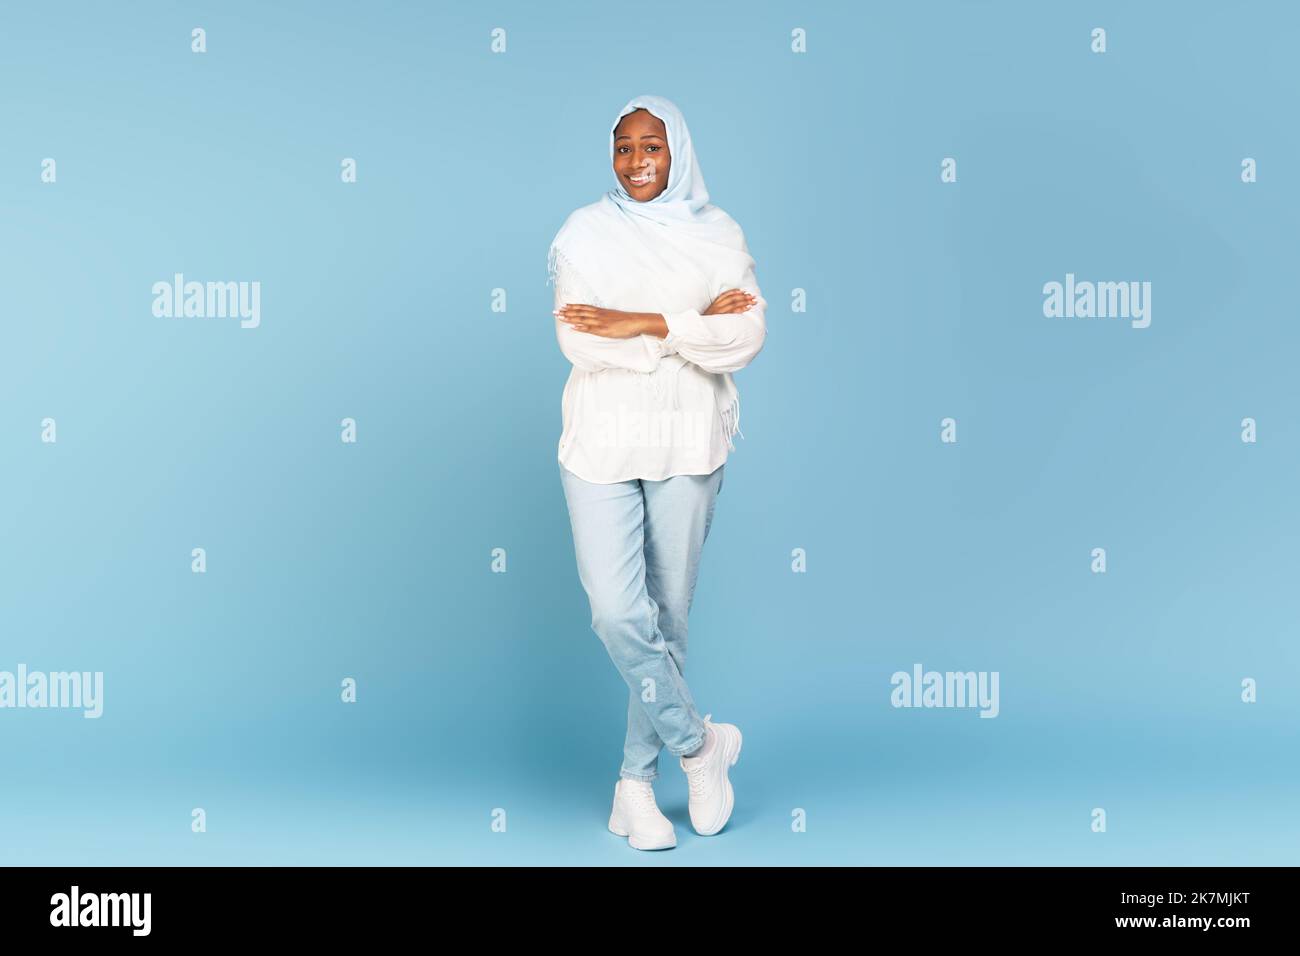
652	146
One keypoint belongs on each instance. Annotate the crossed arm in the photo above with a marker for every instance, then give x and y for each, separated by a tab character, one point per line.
724	337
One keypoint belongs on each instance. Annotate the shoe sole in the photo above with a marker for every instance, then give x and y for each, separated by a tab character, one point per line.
729	795
639	844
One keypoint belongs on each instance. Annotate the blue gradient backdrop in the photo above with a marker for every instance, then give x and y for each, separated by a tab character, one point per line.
480	690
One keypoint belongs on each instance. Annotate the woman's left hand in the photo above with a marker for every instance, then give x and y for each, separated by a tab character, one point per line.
610	323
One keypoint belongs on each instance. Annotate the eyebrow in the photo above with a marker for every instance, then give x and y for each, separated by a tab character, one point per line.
643	136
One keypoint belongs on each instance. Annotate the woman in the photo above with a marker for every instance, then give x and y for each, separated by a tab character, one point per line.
656	304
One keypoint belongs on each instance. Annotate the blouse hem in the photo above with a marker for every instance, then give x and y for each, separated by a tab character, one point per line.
615	481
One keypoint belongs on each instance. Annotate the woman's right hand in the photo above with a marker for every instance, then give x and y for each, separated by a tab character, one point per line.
731	301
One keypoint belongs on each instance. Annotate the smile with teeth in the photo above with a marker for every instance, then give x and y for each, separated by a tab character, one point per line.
641	180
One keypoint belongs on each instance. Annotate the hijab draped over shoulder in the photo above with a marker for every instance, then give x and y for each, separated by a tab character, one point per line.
678	251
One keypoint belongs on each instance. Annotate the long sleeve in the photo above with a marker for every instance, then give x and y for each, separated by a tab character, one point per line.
589	352
719	343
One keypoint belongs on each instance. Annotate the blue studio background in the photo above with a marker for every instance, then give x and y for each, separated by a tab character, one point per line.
481	690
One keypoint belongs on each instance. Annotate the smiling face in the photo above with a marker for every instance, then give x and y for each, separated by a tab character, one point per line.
641	157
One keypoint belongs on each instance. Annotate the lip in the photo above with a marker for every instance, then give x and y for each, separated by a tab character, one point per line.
644	182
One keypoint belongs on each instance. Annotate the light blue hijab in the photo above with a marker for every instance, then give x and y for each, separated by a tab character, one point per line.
686	196
685	202
614	236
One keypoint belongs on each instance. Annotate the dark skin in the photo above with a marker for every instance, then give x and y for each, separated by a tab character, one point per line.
642	162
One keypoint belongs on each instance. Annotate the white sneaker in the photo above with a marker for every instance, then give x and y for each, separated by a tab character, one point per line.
711	798
637	817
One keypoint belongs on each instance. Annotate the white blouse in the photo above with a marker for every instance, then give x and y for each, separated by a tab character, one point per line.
646	407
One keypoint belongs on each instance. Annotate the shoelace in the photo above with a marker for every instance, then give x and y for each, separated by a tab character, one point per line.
697	771
695	777
642	796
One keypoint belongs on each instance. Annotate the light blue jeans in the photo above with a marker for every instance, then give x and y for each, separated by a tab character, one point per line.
638	547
